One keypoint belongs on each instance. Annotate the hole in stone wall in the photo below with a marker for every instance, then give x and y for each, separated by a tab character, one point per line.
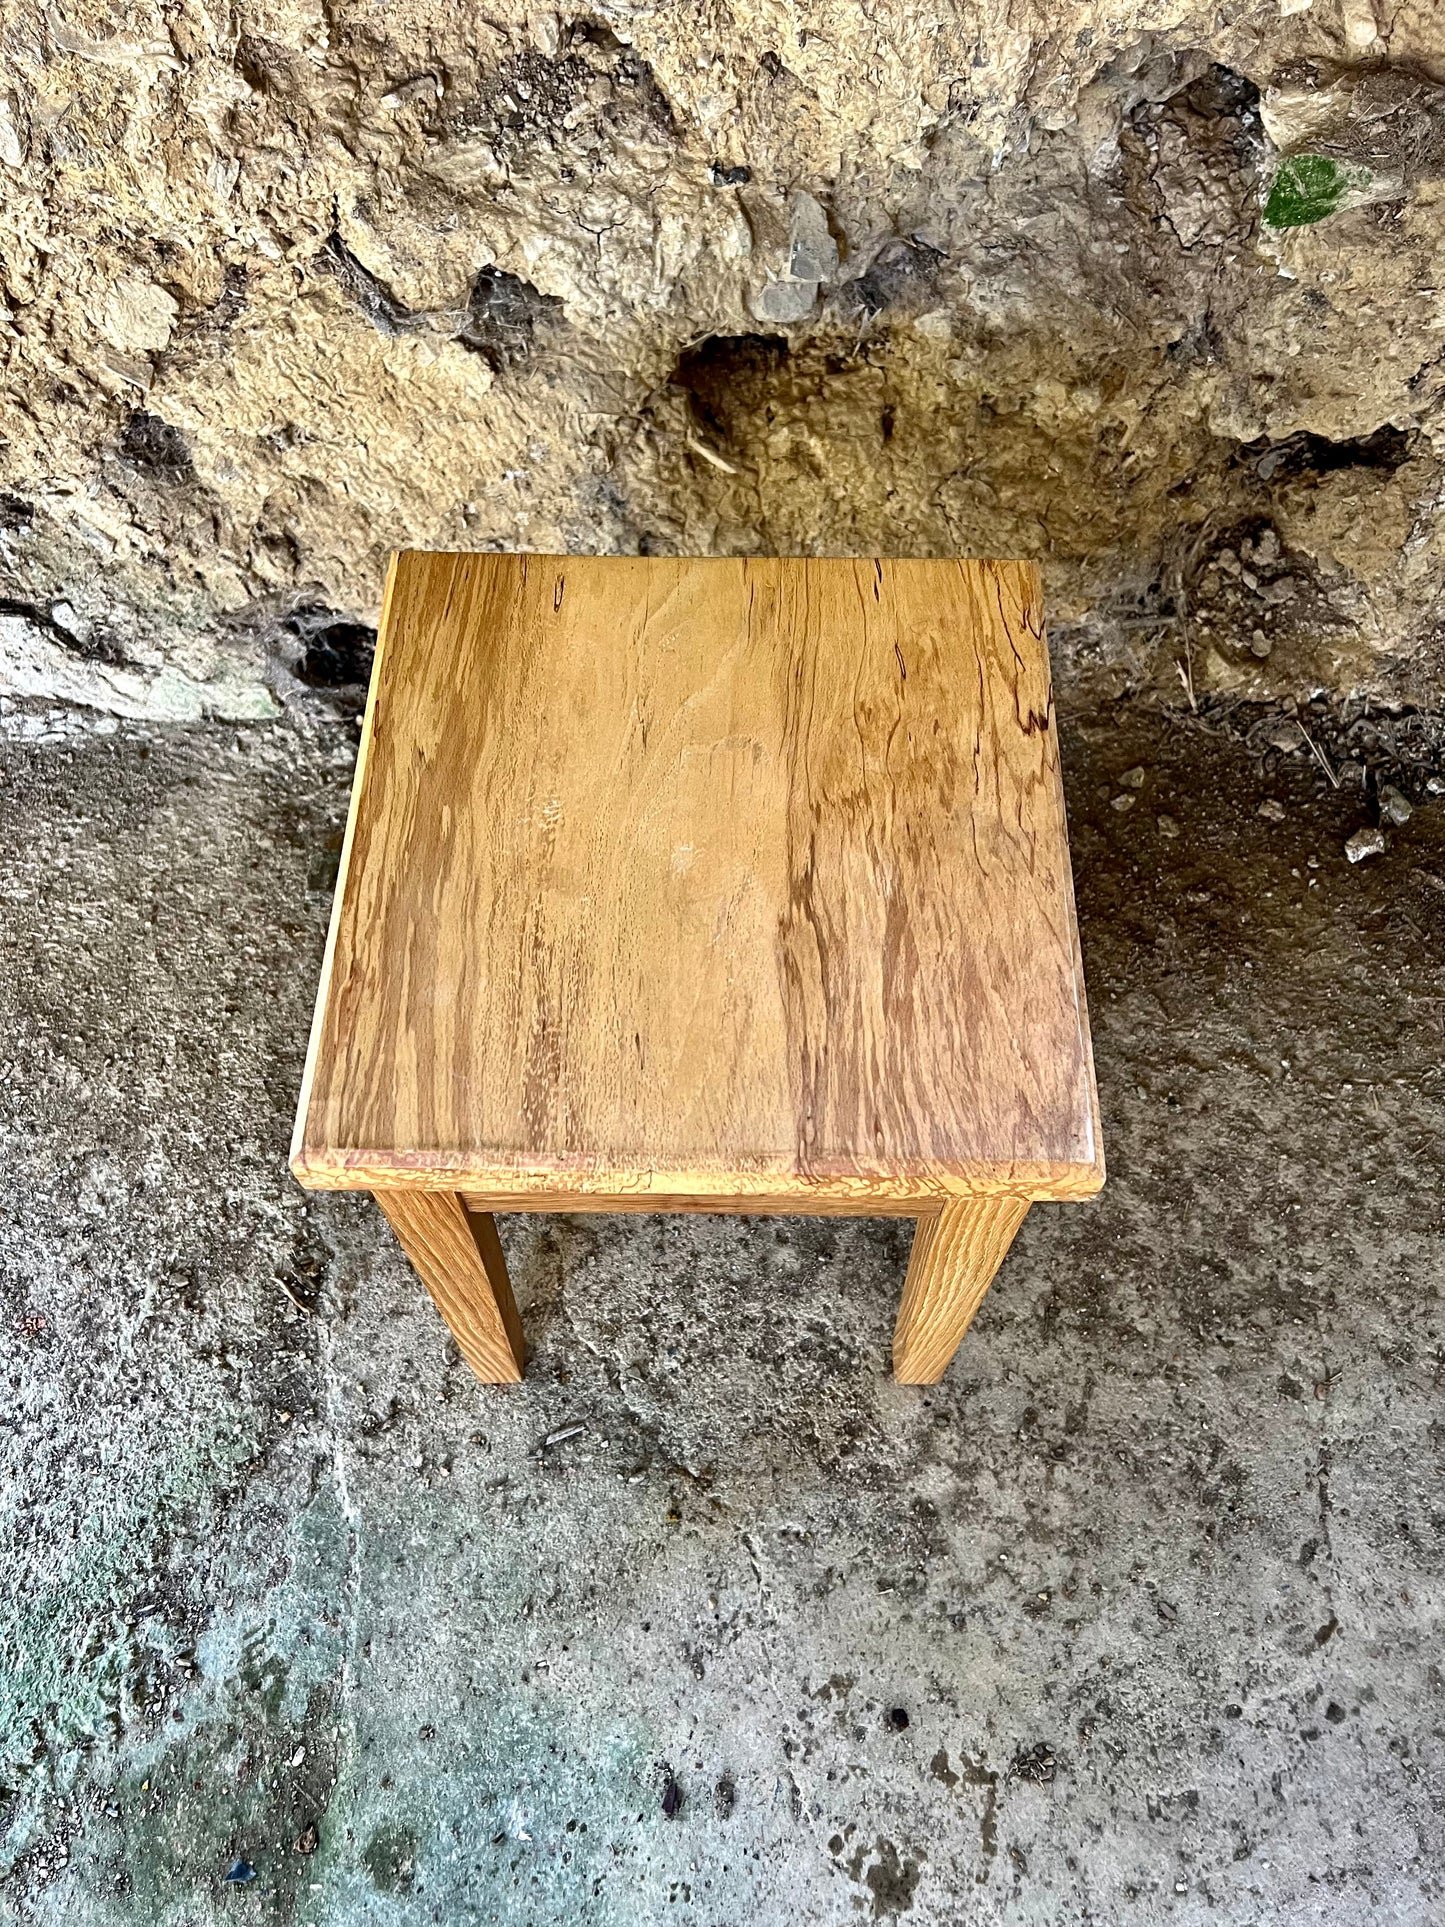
725	375
336	650
595	33
903	273
232	299
155	449
1221	91
1387	448
503	312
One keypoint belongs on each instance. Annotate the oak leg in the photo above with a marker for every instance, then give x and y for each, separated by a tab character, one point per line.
955	1255
458	1257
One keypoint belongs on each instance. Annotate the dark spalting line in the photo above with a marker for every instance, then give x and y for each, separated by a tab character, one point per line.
408	920
1003	620
843	1091
442	870
1031	722
537	1005
542	1063
802	935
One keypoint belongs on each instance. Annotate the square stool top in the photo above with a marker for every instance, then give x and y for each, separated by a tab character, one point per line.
716	884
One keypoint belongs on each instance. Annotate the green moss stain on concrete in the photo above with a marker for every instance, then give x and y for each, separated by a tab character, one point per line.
73	1649
247	1767
389	1856
165	1744
243	1787
524	1808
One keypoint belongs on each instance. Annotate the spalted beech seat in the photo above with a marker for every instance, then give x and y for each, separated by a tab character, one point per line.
705	886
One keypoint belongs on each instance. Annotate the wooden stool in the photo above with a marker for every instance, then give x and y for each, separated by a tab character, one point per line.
704	886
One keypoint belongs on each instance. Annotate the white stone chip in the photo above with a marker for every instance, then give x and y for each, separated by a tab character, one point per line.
1367	842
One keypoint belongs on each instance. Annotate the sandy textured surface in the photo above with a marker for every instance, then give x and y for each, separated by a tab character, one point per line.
1136	1618
285	286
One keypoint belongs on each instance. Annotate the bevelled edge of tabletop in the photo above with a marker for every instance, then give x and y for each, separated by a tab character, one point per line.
579	1184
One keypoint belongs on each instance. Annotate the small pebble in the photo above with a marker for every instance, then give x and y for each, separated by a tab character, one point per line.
1260	644
1273	809
1435	785
1133	779
1167	826
898	1719
239	1873
1125	801
1286	737
1365	843
1395	806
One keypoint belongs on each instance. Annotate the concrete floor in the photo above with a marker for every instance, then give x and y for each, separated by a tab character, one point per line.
1136	1618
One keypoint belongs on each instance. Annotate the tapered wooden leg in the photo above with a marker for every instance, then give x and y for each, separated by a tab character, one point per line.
458	1257
955	1255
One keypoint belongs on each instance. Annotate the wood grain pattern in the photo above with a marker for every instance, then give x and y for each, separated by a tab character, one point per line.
724	884
458	1257
955	1255
831	1203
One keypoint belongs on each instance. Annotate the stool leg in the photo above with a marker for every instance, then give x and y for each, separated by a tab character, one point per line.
458	1257
955	1255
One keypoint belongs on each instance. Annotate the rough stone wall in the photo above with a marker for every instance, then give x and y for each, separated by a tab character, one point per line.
1149	290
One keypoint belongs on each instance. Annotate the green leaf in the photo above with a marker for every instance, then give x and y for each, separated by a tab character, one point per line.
1309	187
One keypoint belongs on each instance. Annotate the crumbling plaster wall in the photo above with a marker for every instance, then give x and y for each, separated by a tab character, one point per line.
287	285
